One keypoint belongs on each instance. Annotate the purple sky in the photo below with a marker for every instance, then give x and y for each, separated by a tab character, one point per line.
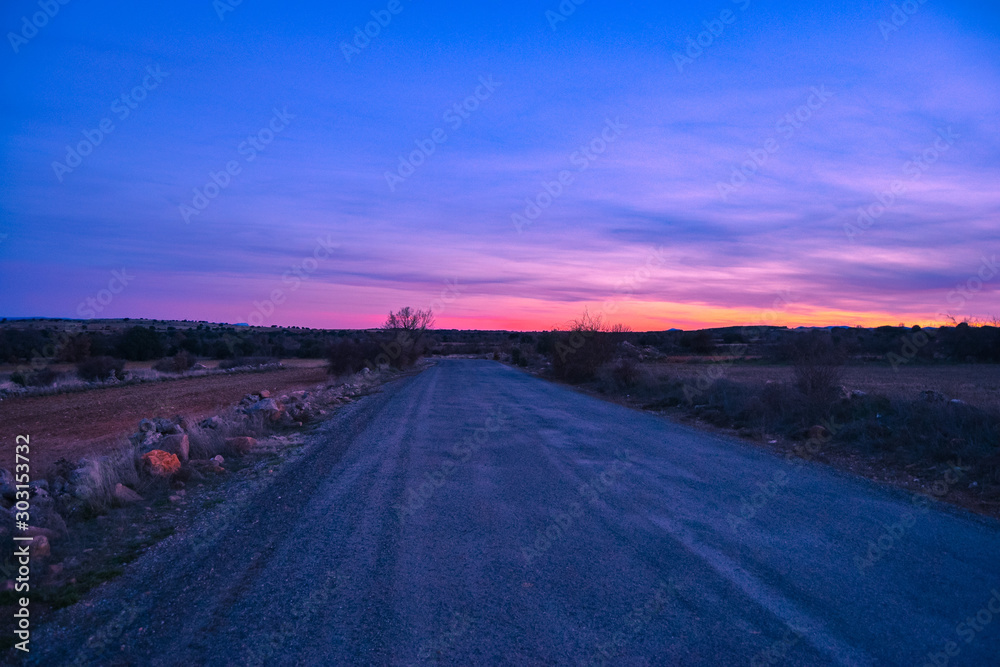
827	108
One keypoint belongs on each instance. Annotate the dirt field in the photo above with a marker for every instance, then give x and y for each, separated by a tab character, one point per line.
77	424
976	384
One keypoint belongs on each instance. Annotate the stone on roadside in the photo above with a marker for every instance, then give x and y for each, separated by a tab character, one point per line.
211	422
164	425
123	494
268	406
176	444
241	445
149	439
160	463
264	393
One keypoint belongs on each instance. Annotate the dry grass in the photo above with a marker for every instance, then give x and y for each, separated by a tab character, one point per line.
102	474
976	384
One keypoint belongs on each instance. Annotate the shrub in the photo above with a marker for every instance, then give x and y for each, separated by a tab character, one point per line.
819	368
518	358
178	363
589	344
98	369
408	337
43	377
626	372
348	355
140	344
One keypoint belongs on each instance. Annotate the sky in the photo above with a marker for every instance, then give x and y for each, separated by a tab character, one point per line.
508	165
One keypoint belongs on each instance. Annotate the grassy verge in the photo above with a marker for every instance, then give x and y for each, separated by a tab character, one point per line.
906	441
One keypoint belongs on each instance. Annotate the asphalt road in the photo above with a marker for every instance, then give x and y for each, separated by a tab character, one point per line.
475	515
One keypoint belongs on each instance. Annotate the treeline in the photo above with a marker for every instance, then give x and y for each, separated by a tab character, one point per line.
579	354
574	353
147	342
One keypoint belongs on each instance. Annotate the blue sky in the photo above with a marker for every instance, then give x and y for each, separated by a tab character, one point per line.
643	234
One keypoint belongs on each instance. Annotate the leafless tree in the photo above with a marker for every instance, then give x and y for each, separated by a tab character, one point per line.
410	320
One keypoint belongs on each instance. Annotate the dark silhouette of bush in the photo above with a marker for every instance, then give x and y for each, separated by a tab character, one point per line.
74	348
625	372
42	377
587	346
97	369
178	363
140	344
819	368
699	342
348	355
404	339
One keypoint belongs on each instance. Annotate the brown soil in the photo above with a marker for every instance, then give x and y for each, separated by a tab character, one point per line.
92	422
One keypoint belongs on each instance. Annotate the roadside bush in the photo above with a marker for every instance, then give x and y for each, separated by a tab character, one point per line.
819	368
140	344
699	342
178	363
98	369
405	338
916	430
626	372
347	355
589	344
43	377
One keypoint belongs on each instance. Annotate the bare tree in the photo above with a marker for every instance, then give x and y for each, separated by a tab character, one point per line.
410	320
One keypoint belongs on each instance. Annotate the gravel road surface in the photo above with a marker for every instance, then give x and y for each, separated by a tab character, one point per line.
473	514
